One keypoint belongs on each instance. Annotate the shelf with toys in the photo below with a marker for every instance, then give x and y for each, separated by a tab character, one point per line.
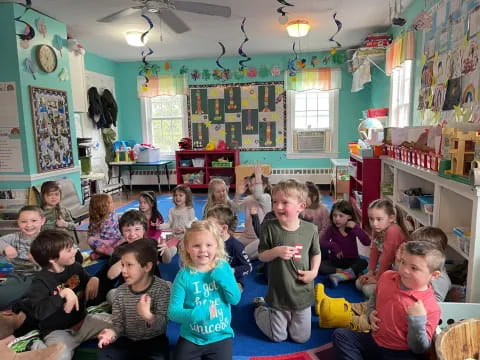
453	208
196	168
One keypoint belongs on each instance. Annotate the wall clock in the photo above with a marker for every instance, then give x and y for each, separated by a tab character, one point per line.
46	58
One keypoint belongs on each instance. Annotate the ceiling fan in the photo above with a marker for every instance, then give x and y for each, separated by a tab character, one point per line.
164	10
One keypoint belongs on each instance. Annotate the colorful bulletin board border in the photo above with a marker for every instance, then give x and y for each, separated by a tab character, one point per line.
51	125
247	116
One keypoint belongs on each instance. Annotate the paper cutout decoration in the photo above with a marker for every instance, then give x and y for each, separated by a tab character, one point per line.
57	43
275	71
183	70
166	66
28	33
41	27
63	75
195	75
31	67
423	21
314	62
206	74
74	46
252	72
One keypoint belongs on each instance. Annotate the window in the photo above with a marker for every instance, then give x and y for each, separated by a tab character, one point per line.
312	124
164	122
400	95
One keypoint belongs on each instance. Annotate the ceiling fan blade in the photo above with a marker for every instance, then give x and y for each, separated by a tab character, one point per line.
173	21
120	14
203	8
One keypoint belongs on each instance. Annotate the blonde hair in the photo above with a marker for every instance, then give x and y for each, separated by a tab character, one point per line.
211	187
292	187
197	226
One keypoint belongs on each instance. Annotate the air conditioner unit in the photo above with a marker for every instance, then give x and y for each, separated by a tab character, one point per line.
312	140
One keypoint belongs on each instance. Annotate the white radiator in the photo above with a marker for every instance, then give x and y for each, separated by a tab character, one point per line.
315	175
149	177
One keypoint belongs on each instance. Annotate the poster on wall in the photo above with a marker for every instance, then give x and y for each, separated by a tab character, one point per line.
249	116
10	143
51	126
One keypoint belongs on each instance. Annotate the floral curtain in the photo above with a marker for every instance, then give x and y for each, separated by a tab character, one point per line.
162	85
401	49
318	79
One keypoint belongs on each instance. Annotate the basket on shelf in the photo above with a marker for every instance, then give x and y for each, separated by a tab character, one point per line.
198	162
459	341
193	178
186	162
224	164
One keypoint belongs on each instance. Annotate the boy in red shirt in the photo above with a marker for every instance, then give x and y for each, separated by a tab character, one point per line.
403	312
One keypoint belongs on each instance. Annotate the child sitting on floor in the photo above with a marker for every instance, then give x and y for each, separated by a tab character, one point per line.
147	205
218	195
56	216
16	246
103	233
222	217
315	211
60	291
340	240
403	311
139	310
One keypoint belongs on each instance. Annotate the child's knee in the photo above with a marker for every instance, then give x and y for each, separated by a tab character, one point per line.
300	338
339	336
279	337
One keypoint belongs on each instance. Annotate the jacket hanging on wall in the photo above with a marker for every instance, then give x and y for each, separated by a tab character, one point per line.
110	108
95	108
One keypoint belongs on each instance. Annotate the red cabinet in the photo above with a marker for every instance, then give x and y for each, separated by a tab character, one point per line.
196	168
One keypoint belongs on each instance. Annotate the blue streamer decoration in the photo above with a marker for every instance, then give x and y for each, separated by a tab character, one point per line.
145	53
218	58
339	27
296	55
240	49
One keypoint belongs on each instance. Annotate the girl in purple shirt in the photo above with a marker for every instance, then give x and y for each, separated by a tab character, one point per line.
340	241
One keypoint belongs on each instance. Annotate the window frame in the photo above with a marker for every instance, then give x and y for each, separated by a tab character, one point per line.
333	121
398	105
147	128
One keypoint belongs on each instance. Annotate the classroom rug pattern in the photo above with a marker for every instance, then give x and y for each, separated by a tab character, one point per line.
324	352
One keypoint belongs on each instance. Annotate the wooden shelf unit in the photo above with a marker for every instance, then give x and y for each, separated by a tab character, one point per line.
455	204
207	168
366	181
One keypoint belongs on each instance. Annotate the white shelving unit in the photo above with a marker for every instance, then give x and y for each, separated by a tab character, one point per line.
455	204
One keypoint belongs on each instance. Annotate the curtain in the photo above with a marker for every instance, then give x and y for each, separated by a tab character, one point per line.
162	85
318	79
401	49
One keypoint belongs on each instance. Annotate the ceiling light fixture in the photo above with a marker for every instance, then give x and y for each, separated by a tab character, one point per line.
134	38
298	28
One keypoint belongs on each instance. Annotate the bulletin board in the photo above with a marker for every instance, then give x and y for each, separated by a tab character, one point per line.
450	77
51	125
249	116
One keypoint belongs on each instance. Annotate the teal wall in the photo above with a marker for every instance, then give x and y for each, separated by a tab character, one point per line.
351	104
14	69
380	87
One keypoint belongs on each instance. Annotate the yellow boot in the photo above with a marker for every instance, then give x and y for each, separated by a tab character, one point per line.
319	296
334	313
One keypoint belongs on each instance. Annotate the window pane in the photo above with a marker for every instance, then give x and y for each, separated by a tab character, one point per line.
300	119
312	101
300	102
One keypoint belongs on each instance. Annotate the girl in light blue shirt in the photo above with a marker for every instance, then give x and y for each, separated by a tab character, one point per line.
202	293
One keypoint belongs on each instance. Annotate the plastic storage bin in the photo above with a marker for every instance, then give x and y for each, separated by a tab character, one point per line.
193	178
186	162
198	162
411	201
426	203
149	156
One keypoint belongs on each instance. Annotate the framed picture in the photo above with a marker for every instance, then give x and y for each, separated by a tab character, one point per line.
51	126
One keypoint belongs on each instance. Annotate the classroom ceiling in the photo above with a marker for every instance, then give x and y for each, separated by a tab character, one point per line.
266	35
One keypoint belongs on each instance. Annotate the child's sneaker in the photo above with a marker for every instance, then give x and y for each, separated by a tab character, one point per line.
258	301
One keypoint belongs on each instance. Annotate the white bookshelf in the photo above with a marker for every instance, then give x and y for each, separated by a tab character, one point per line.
455	204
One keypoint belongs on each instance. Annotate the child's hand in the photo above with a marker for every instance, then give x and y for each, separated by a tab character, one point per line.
143	307
91	289
156	224
417	309
374	320
285	252
11	252
178	230
257	170
339	255
71	300
106	337
241	187
161	247
306	276
61	223
364	278
350	224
